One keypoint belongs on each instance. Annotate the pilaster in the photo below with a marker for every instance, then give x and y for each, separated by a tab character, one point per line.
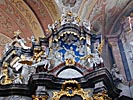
113	42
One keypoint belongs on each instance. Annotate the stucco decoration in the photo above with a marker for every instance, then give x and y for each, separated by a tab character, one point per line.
4	39
29	17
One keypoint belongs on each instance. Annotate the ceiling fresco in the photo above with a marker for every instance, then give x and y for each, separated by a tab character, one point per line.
101	13
32	17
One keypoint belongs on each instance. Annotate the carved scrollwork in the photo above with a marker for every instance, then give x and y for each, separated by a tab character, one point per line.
5	80
101	96
70	89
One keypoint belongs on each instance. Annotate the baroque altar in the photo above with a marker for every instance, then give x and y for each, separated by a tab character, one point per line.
65	64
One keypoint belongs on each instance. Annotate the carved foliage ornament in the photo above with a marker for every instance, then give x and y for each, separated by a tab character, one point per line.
101	96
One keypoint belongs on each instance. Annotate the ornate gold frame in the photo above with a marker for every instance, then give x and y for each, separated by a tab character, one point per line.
71	88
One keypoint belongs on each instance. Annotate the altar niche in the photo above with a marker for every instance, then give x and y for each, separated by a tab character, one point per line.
70	47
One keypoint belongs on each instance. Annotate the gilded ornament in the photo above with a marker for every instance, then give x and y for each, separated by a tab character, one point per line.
6	80
70	62
17	33
101	96
69	13
86	57
100	47
39	97
71	88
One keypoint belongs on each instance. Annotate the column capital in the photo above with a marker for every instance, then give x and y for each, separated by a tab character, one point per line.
113	41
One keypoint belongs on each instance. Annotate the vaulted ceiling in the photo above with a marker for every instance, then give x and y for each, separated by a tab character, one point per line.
32	16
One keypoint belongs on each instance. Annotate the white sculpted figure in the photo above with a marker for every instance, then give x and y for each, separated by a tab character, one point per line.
70	54
32	39
25	73
97	58
76	21
44	61
50	28
116	73
64	20
19	40
87	24
22	43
